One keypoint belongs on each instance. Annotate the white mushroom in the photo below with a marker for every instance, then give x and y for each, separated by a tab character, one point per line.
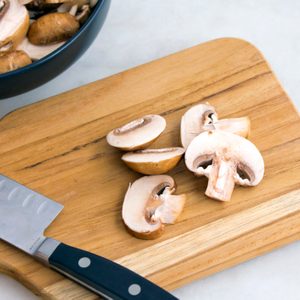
137	134
149	203
14	22
225	158
36	52
203	117
153	161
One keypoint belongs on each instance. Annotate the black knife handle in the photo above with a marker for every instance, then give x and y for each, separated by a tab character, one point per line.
103	276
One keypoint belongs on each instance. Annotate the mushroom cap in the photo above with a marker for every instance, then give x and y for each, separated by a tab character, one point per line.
137	134
52	28
248	162
197	119
36	52
12	60
148	204
153	161
14	24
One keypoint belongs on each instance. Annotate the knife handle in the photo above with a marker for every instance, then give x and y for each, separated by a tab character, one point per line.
102	276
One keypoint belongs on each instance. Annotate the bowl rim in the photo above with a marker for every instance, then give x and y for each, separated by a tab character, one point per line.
54	53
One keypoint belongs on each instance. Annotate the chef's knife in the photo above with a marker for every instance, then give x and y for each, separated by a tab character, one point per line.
24	216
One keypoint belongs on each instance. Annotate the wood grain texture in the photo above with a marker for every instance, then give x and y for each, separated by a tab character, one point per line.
58	148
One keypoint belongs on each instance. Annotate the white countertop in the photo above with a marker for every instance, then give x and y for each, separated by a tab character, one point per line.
138	31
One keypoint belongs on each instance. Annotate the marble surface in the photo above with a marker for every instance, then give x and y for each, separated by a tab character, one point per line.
138	31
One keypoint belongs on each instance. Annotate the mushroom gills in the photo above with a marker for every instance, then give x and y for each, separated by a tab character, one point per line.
226	159
153	161
149	203
137	134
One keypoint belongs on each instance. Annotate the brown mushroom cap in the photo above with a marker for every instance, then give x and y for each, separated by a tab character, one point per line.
137	134
149	203
14	23
225	158
12	60
153	161
52	28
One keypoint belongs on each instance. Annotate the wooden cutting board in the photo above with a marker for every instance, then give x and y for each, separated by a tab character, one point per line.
58	148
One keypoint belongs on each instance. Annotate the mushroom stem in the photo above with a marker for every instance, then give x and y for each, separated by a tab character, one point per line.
221	179
240	126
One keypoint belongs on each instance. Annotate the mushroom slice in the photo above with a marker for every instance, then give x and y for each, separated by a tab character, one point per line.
52	28
194	120
4	4
83	13
137	134
149	203
37	52
12	60
226	159
14	23
153	161
239	126
203	117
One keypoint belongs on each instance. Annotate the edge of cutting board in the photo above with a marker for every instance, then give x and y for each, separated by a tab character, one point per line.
282	229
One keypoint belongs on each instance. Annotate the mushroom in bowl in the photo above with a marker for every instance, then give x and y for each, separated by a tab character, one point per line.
50	59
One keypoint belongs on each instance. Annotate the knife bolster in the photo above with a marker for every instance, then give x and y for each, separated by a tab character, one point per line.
46	249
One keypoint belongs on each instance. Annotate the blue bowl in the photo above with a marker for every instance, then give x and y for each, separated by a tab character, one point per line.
43	70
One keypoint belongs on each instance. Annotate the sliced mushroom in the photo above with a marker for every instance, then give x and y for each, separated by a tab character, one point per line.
239	126
93	3
137	134
36	52
83	13
52	28
149	203
203	117
153	161
14	23
71	2
226	159
4	4
12	60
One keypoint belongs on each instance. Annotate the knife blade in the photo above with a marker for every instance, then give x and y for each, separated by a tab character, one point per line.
24	216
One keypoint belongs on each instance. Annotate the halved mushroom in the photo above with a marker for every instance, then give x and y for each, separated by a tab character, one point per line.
137	134
153	161
14	23
12	60
149	203
36	52
52	28
239	126
203	117
226	159
81	12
